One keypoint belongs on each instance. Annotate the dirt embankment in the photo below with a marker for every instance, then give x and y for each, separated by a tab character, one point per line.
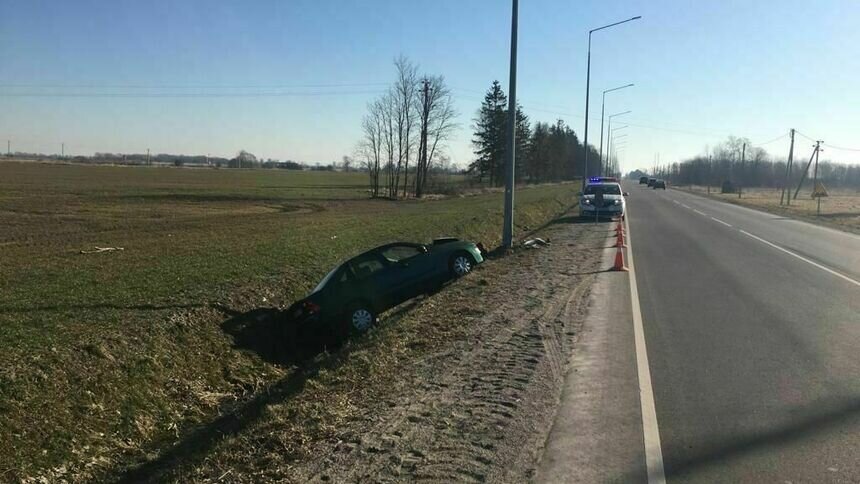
481	408
462	386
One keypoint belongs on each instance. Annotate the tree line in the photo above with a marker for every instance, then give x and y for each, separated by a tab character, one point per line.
544	152
243	159
738	162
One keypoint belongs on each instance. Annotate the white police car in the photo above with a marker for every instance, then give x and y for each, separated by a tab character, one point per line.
602	199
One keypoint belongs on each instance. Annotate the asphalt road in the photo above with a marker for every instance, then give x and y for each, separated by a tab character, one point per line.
752	323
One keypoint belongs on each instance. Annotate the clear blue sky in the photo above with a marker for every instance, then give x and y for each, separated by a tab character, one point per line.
703	70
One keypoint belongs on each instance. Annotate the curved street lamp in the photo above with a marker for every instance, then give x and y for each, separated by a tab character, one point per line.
611	130
603	111
588	85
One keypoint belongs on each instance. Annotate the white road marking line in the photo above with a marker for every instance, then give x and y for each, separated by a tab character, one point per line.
650	429
685	206
720	221
675	201
700	213
804	259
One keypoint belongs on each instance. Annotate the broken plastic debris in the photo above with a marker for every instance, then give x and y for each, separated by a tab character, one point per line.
101	249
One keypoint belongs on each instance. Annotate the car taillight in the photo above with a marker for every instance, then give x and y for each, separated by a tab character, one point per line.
310	307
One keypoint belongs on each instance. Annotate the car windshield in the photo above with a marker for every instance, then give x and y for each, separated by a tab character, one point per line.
606	189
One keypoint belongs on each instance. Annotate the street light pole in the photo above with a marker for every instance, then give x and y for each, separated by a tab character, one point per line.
510	158
611	130
603	111
587	90
612	144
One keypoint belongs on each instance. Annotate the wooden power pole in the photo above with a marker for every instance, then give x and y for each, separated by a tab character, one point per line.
787	182
805	171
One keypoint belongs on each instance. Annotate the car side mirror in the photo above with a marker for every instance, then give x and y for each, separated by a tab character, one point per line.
626	194
423	249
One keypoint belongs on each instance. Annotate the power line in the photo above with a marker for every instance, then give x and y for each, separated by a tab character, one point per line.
840	148
191	86
771	141
188	95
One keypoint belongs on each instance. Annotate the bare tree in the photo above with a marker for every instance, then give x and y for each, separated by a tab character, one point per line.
403	96
372	147
406	120
435	107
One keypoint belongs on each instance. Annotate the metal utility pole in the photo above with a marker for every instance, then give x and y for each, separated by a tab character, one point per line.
587	90
603	112
788	172
806	170
8	147
147	157
610	130
612	144
510	161
62	150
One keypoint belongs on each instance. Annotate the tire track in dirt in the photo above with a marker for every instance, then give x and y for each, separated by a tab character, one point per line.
480	410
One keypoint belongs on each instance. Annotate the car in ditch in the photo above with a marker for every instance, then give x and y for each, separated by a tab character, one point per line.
351	296
602	200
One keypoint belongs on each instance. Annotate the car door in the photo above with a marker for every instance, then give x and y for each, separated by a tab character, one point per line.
371	280
411	269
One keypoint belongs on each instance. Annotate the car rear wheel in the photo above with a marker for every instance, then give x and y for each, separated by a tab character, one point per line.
360	317
461	264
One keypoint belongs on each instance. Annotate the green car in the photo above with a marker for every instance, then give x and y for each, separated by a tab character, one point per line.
351	296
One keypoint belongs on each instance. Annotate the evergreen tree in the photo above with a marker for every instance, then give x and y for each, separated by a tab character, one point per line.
524	138
489	137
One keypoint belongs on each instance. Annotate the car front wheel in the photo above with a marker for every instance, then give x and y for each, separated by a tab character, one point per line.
461	264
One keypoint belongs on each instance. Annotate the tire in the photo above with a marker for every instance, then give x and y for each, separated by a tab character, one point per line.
461	263
359	318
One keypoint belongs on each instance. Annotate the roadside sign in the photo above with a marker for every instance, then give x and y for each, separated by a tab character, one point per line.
819	190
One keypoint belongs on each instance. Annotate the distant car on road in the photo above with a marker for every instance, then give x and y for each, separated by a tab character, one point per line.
602	200
643	180
659	184
651	182
351	296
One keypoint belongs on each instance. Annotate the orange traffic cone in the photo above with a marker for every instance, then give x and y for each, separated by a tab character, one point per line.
619	240
619	261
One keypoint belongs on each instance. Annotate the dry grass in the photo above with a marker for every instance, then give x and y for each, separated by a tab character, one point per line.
840	210
110	357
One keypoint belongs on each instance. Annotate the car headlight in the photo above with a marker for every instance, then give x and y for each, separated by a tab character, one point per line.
617	202
587	201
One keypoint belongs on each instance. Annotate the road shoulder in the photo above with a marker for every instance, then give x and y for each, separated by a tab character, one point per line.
597	433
